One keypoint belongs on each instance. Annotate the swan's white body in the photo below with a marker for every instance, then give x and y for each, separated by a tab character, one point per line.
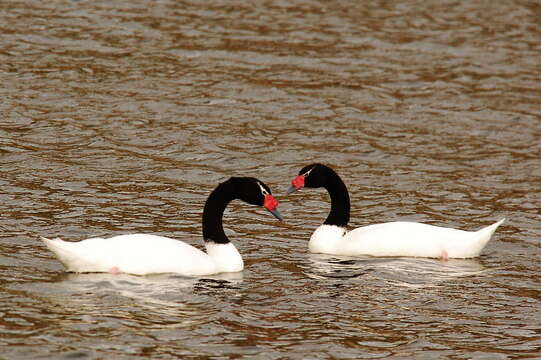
401	239
142	254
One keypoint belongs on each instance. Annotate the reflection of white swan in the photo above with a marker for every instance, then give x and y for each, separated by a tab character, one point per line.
157	301
152	290
410	272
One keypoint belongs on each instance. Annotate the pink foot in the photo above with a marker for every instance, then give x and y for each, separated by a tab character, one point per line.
114	270
444	256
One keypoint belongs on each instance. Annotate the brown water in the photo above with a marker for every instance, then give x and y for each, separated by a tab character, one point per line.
121	116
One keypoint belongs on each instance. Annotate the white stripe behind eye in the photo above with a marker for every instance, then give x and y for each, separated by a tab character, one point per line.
263	190
308	172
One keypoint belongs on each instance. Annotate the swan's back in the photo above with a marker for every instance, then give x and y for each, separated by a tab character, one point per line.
416	239
134	254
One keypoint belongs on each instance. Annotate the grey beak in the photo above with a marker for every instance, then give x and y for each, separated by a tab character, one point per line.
276	214
291	189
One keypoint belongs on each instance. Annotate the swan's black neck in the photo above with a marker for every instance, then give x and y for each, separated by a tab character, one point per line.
340	205
213	230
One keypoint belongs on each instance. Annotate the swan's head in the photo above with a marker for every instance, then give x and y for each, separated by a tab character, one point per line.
256	192
311	176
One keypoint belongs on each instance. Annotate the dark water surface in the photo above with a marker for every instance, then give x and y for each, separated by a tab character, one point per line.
121	116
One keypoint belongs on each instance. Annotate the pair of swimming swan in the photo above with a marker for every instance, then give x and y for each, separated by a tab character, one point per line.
142	254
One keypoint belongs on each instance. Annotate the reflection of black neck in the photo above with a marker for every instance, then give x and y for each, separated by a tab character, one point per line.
213	230
340	205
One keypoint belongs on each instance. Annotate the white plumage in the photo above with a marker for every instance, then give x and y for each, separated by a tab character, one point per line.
401	239
142	254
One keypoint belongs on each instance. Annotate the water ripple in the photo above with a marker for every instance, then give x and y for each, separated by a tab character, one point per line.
122	116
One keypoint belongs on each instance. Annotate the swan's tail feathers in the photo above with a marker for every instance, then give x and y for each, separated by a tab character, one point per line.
482	237
491	228
57	248
50	243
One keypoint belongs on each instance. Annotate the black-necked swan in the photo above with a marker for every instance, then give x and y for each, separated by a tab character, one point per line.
398	238
142	254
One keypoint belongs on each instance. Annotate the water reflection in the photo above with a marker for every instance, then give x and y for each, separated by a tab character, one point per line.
409	272
163	294
145	288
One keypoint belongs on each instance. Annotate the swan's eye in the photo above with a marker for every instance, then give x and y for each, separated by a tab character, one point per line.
308	172
263	190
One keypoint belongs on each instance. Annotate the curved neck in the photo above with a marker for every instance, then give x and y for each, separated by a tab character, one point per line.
340	205
219	198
